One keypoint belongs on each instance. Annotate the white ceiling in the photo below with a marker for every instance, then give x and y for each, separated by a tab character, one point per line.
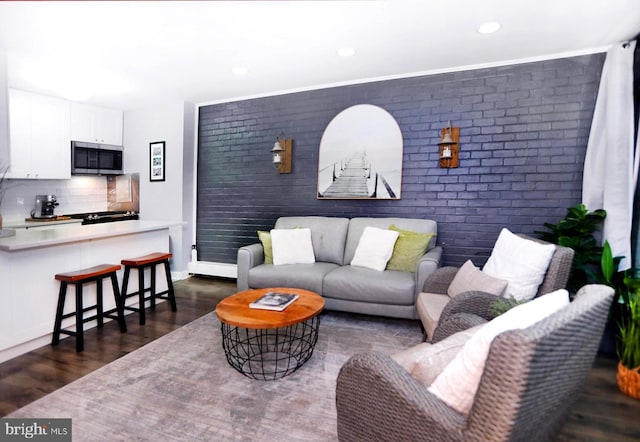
134	54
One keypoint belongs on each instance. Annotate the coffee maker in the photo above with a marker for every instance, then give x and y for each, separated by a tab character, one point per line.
44	206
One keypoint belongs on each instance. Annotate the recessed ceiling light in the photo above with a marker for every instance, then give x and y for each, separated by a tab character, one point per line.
239	70
489	27
346	52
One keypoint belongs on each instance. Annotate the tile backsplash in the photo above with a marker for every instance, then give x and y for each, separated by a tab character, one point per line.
76	195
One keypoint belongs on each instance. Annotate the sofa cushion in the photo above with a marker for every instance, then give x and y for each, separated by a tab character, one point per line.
426	361
374	248
459	381
520	261
408	249
366	285
469	277
357	226
430	307
304	276
328	235
267	248
292	246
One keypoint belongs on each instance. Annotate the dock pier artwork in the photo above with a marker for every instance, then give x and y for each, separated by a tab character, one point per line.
355	177
360	155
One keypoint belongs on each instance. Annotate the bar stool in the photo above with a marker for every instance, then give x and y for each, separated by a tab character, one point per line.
79	278
141	263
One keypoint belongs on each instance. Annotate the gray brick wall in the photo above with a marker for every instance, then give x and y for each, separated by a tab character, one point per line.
524	131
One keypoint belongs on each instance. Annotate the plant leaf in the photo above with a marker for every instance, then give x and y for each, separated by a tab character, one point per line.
606	262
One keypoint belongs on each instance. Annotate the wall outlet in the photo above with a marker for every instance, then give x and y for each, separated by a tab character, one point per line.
20	201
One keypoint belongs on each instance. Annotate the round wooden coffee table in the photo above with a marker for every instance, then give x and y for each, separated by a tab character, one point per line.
264	344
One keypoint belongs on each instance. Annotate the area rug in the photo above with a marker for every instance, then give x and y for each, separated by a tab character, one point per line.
181	388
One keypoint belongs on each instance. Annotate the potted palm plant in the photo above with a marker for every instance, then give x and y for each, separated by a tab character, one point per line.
627	304
628	376
576	230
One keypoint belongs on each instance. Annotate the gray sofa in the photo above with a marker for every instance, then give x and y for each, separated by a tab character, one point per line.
344	287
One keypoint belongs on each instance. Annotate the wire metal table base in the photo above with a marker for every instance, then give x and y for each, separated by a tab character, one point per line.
268	354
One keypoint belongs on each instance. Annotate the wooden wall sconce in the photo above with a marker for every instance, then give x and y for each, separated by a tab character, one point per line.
449	145
281	154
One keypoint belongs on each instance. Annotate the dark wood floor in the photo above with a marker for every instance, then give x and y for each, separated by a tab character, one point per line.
601	412
37	373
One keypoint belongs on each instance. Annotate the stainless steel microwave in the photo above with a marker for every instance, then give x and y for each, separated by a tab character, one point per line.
96	159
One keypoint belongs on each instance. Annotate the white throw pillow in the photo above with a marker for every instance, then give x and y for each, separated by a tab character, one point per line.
523	263
469	277
292	246
426	361
375	248
459	381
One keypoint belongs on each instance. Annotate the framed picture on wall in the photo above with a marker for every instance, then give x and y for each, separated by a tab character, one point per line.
156	161
360	155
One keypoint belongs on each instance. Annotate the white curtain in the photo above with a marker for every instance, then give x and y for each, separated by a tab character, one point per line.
609	174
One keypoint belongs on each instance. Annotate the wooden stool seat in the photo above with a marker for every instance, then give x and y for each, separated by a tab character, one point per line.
79	278
140	264
151	258
99	270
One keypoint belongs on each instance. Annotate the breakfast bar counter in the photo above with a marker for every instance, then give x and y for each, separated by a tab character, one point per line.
30	259
73	232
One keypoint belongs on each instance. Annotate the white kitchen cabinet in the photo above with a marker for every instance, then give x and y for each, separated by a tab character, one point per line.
39	142
96	124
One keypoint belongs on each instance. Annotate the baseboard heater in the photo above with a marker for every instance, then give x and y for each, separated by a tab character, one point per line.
223	270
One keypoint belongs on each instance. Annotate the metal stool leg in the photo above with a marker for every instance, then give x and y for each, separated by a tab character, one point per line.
141	294
152	286
119	304
99	303
59	311
172	296
79	319
125	283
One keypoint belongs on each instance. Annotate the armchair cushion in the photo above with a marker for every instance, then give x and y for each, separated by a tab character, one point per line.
523	263
430	307
469	277
426	361
458	382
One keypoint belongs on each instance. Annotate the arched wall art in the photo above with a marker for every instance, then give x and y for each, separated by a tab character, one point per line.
360	155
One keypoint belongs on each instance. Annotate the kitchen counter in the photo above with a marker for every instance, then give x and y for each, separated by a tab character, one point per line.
38	224
73	232
31	258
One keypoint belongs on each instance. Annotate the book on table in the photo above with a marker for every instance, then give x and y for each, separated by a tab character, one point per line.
274	301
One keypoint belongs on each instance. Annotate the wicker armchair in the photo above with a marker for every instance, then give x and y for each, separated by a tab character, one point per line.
530	381
472	308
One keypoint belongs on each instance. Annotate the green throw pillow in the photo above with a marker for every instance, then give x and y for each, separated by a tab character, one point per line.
265	239
408	249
